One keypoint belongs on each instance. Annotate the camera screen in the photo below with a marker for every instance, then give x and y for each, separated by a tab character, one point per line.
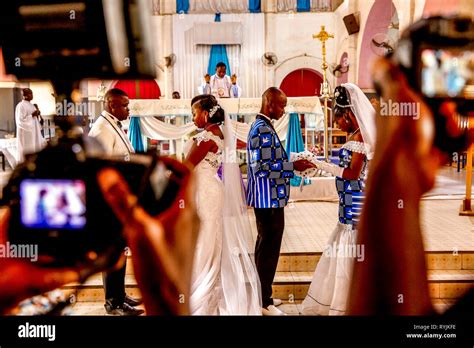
447	73
51	203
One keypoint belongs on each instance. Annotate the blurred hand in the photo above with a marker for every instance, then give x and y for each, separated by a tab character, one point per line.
163	246
302	165
207	78
406	143
20	279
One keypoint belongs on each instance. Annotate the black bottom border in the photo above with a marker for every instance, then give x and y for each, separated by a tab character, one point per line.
239	331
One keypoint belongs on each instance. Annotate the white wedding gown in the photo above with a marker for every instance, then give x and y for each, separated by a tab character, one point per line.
224	279
205	288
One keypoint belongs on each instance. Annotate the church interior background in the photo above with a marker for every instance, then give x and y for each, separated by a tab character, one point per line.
271	43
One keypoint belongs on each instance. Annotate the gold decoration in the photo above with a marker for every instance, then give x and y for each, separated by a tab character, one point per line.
323	36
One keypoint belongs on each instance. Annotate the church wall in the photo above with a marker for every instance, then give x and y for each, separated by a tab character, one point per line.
291	40
289	36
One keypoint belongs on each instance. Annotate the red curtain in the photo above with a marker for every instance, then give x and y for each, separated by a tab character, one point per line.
139	89
302	83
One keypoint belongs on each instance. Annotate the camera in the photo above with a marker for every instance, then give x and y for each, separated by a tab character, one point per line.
56	202
106	39
437	54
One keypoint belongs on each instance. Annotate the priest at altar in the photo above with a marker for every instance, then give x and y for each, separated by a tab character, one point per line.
220	84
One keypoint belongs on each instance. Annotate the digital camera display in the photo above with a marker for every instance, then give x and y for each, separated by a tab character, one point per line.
58	204
447	73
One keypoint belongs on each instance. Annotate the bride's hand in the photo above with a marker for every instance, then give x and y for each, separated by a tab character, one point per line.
163	246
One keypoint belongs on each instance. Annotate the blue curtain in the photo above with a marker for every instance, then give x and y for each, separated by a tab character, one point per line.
303	5
294	143
218	54
135	134
182	6
254	6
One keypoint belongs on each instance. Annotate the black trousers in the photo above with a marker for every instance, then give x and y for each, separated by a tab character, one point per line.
270	226
114	286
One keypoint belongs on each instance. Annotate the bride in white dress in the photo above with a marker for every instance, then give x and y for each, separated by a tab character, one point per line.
225	280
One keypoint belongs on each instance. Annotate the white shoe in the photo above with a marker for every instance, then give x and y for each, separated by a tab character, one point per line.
277	302
272	310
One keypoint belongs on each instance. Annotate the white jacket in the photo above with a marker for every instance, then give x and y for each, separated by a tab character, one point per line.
28	130
108	133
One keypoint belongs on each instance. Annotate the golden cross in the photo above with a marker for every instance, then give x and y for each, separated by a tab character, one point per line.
323	36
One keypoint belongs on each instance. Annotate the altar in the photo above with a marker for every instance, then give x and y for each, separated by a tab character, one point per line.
171	119
322	188
233	106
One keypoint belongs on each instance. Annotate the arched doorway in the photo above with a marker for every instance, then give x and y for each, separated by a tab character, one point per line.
302	83
139	89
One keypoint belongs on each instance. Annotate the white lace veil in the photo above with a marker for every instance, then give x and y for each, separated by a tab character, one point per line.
239	277
365	115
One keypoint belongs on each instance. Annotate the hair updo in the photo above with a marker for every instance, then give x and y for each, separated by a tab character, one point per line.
208	102
342	101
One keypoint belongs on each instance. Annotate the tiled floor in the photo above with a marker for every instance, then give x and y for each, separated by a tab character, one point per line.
309	224
449	182
295	308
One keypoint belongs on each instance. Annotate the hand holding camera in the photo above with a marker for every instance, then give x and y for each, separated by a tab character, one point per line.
439	129
163	245
33	280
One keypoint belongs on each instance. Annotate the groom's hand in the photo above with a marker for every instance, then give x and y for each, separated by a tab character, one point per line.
302	165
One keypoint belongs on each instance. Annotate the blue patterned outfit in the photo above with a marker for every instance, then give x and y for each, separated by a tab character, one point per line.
329	289
351	192
269	171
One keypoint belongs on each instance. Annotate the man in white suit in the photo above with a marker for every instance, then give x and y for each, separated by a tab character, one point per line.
107	129
28	128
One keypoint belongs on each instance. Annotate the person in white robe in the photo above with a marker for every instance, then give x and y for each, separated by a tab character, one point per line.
221	85
28	127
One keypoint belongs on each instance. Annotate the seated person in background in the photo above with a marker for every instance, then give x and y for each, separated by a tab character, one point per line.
163	270
176	95
392	280
221	85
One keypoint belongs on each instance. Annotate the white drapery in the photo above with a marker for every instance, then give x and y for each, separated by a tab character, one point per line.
159	130
218	6
155	129
286	5
244	60
233	106
315	5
